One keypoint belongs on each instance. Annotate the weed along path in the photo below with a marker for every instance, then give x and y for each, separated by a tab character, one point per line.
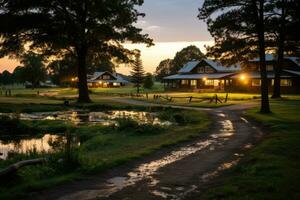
172	173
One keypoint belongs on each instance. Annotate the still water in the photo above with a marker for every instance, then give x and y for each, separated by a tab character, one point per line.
43	144
103	118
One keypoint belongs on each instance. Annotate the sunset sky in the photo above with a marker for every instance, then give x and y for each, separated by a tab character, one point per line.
173	25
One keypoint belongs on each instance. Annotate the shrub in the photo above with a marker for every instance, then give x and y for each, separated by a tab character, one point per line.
13	125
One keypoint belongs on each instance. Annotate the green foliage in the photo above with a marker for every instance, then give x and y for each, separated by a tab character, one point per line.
129	126
34	69
13	126
6	78
163	69
84	28
137	73
185	55
171	66
148	81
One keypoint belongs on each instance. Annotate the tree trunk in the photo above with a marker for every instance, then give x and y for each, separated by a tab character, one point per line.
280	52
265	104
82	76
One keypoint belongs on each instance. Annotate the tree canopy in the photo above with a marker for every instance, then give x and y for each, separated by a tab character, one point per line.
171	66
34	70
239	30
185	55
82	28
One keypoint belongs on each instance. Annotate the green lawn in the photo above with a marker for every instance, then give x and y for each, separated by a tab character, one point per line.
271	170
102	148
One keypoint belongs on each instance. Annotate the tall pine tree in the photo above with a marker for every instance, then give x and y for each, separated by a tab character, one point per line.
238	27
137	72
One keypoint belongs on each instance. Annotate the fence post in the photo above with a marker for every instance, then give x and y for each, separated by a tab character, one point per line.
226	98
216	99
147	95
190	99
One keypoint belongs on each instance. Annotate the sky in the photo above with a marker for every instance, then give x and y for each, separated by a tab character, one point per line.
172	24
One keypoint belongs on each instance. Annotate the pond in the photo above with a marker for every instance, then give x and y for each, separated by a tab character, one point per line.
47	143
84	116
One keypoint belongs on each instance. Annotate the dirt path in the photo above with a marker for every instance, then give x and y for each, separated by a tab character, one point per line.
173	173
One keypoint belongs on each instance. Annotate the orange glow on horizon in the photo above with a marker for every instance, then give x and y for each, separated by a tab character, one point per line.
151	57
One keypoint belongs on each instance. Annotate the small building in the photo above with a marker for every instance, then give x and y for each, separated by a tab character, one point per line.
106	80
201	75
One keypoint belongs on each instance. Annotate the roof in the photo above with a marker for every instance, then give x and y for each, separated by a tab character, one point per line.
256	75
220	68
272	57
95	78
293	72
189	66
198	76
216	65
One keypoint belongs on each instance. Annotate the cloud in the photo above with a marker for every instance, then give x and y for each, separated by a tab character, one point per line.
152	28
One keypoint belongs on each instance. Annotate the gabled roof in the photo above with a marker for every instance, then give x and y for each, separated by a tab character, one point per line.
216	65
189	67
97	75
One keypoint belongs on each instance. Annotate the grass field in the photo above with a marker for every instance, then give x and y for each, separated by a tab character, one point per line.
271	170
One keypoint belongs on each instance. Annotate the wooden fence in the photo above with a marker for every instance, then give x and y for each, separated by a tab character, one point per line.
214	99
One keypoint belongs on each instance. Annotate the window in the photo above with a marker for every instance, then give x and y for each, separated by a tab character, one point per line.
209	70
106	77
217	83
286	83
256	82
201	70
209	82
194	83
270	68
184	82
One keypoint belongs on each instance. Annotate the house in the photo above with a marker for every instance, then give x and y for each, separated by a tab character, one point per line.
106	80
249	80
208	75
201	75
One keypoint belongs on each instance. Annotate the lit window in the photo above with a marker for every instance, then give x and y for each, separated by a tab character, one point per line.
116	84
217	83
184	82
194	83
209	82
286	83
256	82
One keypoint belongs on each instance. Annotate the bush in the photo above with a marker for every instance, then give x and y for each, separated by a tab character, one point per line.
126	124
131	126
13	125
148	81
